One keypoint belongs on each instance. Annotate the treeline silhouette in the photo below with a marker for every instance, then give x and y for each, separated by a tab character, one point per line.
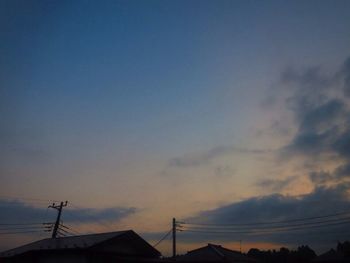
303	254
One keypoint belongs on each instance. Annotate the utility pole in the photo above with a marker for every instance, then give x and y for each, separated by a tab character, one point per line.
174	238
58	219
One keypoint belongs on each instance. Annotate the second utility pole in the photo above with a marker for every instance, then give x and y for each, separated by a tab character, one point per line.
58	219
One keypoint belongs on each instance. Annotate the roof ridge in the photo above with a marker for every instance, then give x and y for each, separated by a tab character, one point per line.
74	238
230	250
93	234
216	250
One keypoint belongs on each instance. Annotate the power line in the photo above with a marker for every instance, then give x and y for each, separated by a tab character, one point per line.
77	218
93	217
268	231
164	237
269	227
64	231
46	224
20	224
27	199
68	230
19	232
71	229
271	222
17	228
61	234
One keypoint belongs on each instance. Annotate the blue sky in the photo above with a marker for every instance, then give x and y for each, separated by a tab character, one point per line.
99	100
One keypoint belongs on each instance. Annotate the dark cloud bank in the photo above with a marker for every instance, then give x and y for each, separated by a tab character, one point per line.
320	105
19	212
272	208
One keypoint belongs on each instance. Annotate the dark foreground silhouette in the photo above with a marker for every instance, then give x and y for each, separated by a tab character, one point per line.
302	254
127	246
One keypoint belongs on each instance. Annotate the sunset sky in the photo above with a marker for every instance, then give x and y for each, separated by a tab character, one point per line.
208	111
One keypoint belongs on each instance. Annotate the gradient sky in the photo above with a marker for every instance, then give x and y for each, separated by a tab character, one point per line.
140	111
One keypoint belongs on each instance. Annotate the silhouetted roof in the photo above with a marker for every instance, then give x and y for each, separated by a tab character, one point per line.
79	242
213	252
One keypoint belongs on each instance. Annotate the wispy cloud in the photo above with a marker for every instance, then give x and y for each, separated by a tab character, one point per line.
320	106
89	215
198	159
276	185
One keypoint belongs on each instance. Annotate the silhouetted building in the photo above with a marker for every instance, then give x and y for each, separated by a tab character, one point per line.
214	253
122	246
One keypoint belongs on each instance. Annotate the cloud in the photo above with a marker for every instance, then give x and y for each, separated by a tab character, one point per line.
18	212
311	78
309	86
318	118
224	171
342	171
320	129
276	185
345	73
190	160
320	178
276	207
308	144
339	175
89	215
320	105
279	207
342	143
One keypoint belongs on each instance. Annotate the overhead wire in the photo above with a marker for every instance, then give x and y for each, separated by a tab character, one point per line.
93	217
27	199
19	228
65	231
36	225
45	218
164	237
40	201
258	227
316	225
71	230
76	218
270	222
20	224
19	232
267	231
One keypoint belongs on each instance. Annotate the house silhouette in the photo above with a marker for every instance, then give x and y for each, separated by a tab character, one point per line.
121	246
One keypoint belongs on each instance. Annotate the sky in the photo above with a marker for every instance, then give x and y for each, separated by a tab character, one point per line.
208	111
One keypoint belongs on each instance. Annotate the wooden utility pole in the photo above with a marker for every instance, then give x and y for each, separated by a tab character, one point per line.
174	238
58	219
